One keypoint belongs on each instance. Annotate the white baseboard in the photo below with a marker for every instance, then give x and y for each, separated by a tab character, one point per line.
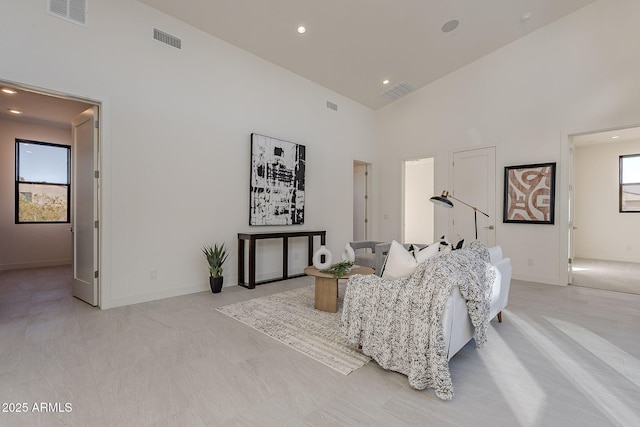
274	275
35	264
154	296
609	257
538	279
176	292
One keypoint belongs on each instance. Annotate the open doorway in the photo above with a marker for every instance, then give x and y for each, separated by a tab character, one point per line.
47	117
603	246
418	217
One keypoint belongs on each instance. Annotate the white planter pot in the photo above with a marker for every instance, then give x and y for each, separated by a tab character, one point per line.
317	257
348	254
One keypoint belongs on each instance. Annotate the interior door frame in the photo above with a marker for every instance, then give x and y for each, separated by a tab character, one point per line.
566	209
99	104
567	192
571	167
367	194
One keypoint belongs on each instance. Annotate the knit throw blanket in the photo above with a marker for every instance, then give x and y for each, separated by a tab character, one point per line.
399	322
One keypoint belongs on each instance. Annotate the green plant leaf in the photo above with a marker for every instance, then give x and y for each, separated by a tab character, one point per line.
338	269
215	256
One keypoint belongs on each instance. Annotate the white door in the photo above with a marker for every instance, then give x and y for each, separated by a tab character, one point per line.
85	206
359	201
474	182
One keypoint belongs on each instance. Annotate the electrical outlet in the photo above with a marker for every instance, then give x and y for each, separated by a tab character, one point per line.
295	255
153	274
530	262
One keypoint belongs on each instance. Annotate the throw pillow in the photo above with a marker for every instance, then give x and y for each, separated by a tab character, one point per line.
400	262
448	247
421	255
444	243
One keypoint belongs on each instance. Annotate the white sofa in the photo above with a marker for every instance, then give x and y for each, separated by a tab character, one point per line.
457	326
458	330
392	321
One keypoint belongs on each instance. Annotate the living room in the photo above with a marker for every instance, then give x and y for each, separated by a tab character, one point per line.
176	125
525	99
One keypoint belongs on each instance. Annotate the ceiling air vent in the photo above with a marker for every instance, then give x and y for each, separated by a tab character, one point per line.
166	38
332	106
399	90
70	10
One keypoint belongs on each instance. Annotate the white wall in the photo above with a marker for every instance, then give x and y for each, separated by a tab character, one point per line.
577	74
418	210
28	245
603	232
176	128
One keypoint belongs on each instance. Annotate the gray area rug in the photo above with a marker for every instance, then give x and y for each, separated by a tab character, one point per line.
290	318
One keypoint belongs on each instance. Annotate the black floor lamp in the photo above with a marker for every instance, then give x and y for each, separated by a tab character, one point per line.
443	200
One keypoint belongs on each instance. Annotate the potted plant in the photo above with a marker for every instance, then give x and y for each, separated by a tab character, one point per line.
216	256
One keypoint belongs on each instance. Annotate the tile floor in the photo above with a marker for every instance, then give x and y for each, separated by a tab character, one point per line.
562	356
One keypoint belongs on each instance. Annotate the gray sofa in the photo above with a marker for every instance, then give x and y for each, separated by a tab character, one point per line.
366	254
373	254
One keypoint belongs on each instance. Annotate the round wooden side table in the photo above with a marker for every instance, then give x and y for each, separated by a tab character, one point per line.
326	298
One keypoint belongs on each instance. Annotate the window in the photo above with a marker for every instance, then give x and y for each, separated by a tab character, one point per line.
630	183
42	182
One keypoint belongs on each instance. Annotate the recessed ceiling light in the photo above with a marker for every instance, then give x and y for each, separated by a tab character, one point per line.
450	26
526	16
15	111
9	91
302	29
615	137
385	82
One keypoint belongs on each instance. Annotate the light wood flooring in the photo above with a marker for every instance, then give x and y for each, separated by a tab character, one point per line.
609	275
563	356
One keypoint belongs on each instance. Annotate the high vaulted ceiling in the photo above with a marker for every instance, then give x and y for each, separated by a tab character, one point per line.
351	46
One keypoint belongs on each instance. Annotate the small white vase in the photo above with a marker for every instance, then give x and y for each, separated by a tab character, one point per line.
348	254
317	258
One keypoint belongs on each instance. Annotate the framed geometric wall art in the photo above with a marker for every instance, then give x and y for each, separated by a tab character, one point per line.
277	182
529	193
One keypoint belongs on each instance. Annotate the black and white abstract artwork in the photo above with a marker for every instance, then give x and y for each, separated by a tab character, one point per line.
277	181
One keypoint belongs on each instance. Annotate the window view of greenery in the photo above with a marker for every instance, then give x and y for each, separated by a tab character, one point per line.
630	183
42	182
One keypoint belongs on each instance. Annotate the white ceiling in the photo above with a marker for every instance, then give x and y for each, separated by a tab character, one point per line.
607	137
351	46
36	108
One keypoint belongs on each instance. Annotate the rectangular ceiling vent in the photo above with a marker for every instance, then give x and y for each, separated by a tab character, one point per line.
167	38
399	90
75	11
332	106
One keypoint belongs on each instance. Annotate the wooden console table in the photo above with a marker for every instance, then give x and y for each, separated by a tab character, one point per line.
252	237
